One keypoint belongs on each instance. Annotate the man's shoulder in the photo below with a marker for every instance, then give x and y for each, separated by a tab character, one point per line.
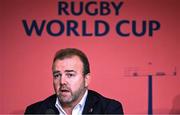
99	97
43	106
102	104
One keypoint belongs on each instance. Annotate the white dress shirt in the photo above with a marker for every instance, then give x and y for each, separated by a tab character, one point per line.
77	110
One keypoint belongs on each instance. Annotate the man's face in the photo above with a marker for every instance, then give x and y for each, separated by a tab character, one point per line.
69	82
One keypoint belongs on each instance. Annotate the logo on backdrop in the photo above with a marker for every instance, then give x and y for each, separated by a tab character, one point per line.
100	26
137	72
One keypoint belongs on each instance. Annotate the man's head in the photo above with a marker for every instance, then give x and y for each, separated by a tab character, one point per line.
69	52
71	75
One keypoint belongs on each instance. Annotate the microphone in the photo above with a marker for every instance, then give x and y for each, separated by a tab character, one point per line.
50	111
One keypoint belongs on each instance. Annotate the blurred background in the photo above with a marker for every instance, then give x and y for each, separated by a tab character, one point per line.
119	65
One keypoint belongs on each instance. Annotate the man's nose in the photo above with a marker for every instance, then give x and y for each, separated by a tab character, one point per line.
63	79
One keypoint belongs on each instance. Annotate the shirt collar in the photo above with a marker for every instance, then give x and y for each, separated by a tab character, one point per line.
81	104
83	100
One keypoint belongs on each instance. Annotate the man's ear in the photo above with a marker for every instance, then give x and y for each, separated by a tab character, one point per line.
87	79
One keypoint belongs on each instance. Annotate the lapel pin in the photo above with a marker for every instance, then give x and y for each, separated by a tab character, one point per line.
91	110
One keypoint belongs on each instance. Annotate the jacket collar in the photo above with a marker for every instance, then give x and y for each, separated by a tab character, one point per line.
91	100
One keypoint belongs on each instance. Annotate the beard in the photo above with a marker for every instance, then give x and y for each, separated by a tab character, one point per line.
67	96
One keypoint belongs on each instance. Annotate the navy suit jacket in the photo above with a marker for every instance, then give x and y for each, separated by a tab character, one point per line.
95	104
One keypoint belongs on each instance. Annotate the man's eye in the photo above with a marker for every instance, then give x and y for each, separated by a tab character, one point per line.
56	75
69	75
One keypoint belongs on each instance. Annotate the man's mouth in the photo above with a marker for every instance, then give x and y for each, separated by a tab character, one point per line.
64	90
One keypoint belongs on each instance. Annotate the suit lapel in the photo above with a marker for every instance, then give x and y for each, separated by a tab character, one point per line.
50	108
90	102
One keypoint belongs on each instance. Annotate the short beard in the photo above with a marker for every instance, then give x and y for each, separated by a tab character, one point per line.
74	96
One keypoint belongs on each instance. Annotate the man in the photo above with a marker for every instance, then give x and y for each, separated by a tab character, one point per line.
71	76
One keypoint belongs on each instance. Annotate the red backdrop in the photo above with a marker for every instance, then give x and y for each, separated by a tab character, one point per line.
25	71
